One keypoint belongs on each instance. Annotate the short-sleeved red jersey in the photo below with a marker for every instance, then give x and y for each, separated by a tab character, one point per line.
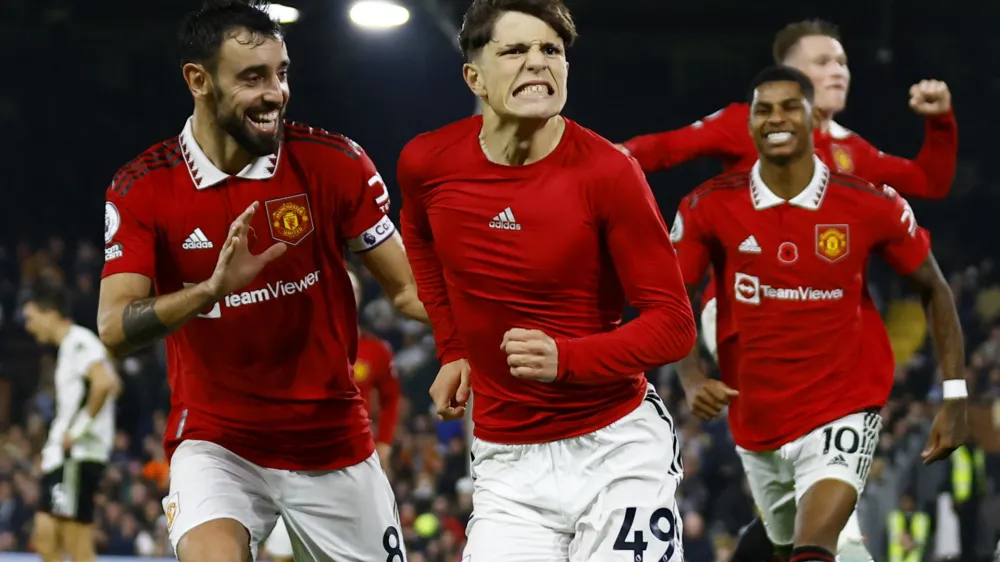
556	245
266	371
373	370
796	270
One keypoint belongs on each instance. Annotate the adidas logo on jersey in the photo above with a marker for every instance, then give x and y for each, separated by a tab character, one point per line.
197	241
837	461
505	221
750	246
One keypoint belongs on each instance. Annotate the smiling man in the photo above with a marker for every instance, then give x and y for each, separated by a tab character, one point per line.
793	238
526	232
237	227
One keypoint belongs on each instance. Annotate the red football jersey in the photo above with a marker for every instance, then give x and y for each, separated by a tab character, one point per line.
373	370
724	135
557	245
797	270
266	372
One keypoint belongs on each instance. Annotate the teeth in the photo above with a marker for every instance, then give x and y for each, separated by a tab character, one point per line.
265	118
533	89
778	138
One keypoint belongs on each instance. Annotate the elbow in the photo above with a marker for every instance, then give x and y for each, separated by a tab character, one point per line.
110	332
685	335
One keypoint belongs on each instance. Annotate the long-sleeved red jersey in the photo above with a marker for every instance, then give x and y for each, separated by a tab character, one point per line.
373	370
557	246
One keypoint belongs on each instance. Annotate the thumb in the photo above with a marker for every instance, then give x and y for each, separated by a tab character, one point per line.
730	391
274	252
932	443
462	396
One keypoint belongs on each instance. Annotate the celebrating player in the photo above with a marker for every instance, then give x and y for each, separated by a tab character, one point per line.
238	224
526	233
82	432
793	238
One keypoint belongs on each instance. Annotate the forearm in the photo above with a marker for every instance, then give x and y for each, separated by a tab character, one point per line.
946	331
658	337
141	321
689	368
408	304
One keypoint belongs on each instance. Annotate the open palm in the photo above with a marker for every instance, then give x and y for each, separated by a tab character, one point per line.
237	266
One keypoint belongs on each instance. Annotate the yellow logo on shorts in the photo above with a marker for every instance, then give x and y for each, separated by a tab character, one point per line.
171	510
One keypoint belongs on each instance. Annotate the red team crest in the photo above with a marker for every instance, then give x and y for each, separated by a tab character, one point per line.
290	218
842	159
832	241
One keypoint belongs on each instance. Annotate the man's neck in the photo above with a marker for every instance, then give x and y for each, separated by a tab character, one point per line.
788	180
220	148
60	331
825	118
516	142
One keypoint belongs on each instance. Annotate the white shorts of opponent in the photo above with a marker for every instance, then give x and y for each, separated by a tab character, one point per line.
709	328
345	515
602	497
841	450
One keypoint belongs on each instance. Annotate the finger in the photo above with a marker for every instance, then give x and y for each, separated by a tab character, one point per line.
452	414
932	444
521	334
248	213
938	454
273	253
523	360
533	347
506	339
533	373
710	402
719	394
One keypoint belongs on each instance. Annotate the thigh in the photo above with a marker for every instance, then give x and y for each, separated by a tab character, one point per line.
348	515
630	512
493	538
209	482
772	485
841	450
89	479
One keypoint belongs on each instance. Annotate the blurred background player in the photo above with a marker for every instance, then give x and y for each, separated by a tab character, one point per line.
814	48
264	415
534	221
805	401
373	371
82	433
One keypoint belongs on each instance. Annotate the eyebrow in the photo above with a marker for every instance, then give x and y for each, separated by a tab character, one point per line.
523	45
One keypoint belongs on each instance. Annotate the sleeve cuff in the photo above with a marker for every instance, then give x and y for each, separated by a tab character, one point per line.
565	349
451	355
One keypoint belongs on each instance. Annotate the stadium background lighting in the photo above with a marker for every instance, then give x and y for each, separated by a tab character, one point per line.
378	14
283	14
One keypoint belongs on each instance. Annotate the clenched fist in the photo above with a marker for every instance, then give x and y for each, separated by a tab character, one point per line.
930	97
531	354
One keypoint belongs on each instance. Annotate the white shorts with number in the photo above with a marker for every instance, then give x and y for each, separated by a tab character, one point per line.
345	515
602	497
840	450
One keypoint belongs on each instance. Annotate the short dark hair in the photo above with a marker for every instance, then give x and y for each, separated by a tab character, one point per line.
780	73
789	36
49	295
203	31
482	16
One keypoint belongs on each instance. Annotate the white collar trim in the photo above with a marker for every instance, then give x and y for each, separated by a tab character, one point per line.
204	174
810	198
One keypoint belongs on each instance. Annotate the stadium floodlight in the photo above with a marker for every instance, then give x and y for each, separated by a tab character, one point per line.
283	14
378	14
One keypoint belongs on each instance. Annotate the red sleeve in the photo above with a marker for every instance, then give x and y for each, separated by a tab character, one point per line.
646	264
431	287
690	238
904	245
129	229
720	135
366	224
387	384
930	174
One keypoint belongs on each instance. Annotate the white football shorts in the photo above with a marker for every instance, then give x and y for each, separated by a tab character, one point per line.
841	450
347	515
602	497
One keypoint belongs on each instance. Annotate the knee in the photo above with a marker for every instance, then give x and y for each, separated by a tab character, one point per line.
219	540
44	535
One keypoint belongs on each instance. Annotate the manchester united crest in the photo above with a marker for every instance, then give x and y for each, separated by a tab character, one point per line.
842	159
360	371
833	241
290	218
171	510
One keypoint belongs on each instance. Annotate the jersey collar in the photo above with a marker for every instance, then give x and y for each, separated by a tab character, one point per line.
810	198
204	174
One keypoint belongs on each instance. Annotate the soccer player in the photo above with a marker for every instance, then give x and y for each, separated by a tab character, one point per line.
793	237
238	225
526	233
82	433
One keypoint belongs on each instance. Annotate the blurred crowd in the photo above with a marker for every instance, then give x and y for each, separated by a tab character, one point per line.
429	462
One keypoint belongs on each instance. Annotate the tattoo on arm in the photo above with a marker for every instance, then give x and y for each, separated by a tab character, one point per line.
140	324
